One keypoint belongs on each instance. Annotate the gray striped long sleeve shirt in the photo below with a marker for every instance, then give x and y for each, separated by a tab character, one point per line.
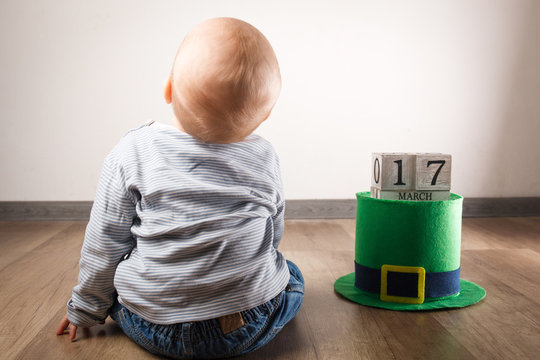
182	230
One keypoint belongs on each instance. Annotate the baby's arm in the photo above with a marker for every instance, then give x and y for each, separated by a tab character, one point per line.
279	223
107	240
279	218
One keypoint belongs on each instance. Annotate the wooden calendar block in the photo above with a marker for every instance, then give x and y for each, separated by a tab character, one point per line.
433	171
412	195
393	171
416	177
375	193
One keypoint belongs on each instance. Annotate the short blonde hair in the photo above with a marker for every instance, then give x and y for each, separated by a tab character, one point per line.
225	80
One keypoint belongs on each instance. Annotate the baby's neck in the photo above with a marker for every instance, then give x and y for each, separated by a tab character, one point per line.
177	125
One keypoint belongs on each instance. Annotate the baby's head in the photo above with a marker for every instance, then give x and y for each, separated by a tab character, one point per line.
224	82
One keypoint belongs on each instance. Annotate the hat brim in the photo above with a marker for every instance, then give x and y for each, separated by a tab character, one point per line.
470	294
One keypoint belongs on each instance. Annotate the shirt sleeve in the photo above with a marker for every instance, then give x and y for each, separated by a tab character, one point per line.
107	240
279	217
279	224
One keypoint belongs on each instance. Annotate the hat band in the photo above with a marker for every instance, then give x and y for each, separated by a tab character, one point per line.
437	284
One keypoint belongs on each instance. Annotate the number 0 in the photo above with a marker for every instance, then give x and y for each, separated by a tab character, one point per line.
376	171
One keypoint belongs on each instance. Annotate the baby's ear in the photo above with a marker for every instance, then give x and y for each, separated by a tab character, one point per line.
167	90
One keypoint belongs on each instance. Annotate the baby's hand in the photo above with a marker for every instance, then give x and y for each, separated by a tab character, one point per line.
64	325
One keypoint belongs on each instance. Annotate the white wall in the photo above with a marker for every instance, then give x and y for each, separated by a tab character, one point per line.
460	77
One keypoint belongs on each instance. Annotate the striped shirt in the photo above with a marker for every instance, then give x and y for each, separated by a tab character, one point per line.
182	230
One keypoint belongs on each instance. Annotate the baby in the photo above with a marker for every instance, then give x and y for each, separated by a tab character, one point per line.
181	247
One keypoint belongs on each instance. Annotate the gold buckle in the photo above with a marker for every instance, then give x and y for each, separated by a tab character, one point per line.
403	269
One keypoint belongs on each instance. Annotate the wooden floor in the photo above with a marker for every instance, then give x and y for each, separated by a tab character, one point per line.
39	266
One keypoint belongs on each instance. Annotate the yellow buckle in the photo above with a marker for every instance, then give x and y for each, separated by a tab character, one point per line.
403	269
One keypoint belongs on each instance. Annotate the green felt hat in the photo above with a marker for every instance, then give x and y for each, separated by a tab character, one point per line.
407	256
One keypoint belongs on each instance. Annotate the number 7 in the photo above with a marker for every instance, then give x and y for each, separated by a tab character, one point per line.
442	162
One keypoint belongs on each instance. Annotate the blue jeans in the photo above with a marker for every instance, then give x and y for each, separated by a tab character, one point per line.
205	339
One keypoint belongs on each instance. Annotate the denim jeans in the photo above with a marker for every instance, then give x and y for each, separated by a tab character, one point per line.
205	339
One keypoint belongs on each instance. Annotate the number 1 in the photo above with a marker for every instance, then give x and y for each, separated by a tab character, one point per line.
400	172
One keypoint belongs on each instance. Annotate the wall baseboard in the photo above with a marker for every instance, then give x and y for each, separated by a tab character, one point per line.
295	209
45	210
472	207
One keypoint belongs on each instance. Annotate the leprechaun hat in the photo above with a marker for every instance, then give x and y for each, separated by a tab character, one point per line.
407	256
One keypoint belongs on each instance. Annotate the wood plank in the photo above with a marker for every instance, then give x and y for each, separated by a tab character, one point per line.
36	286
105	341
501	233
418	335
341	329
19	238
505	324
501	255
349	225
315	235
